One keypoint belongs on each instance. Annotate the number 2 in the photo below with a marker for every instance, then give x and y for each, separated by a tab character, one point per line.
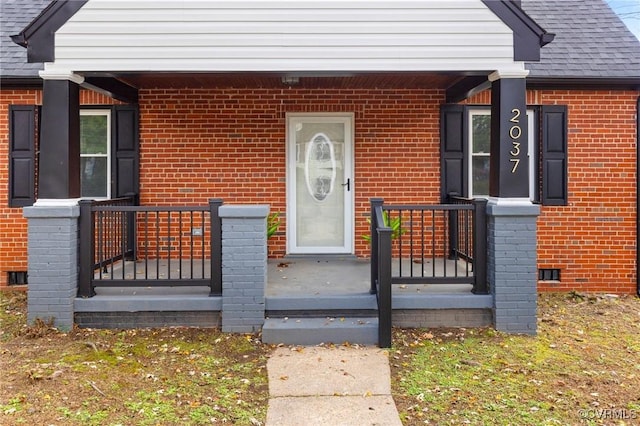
516	115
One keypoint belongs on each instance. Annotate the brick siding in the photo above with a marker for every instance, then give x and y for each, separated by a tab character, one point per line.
592	240
429	318
13	226
231	143
198	144
148	319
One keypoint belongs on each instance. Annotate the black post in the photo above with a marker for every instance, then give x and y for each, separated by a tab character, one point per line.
87	249
509	167
480	247
216	247
132	244
384	296
59	158
375	202
453	227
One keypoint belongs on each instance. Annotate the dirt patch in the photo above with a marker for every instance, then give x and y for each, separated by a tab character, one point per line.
146	377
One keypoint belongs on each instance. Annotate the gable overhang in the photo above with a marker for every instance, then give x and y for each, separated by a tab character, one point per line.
333	37
39	36
528	36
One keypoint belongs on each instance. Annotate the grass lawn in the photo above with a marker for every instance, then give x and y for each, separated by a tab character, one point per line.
583	367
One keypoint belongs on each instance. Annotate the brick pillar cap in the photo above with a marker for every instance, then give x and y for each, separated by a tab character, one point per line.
244	211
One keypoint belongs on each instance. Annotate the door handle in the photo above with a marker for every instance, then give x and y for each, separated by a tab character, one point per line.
347	184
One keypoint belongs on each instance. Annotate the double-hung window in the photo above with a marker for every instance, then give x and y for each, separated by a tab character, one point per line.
479	141
109	152
95	137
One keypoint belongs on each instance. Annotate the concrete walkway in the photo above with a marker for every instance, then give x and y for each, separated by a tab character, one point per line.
330	386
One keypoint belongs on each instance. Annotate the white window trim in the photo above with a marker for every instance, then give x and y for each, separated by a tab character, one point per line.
531	151
107	155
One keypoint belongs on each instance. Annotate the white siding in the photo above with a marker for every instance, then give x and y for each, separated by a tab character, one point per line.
299	35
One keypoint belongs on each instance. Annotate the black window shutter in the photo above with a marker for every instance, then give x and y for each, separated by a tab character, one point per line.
22	147
554	155
125	150
453	151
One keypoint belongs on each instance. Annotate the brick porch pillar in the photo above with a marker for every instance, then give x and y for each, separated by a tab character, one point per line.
244	267
53	262
512	265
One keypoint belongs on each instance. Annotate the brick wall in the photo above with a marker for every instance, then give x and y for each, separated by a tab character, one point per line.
13	226
198	144
230	143
592	240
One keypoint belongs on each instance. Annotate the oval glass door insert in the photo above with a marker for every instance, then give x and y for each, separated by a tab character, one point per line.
320	167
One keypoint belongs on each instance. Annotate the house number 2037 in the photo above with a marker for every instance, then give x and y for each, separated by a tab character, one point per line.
515	131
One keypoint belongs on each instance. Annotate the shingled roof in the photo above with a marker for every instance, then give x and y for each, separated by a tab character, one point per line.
591	41
14	16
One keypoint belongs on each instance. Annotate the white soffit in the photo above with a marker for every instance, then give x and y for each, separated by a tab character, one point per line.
300	35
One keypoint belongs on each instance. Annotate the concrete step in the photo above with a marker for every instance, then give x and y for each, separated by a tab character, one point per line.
313	331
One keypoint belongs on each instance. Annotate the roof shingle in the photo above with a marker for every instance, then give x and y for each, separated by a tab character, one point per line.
591	41
14	16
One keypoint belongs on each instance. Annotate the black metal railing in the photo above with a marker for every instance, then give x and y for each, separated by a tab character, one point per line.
472	250
425	244
124	245
381	270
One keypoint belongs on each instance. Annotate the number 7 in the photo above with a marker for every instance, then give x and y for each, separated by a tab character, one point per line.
515	162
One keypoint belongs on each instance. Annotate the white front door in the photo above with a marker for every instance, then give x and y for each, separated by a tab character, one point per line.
320	183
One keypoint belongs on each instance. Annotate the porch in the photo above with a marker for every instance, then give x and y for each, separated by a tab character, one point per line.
380	99
148	266
159	266
308	300
289	279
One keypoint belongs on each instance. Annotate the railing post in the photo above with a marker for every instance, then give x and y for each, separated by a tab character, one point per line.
87	249
216	247
373	232
453	227
480	247
132	244
384	295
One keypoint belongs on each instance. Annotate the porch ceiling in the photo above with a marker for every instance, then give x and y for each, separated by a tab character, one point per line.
409	80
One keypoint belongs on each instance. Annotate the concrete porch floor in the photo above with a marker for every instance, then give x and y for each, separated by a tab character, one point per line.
340	276
306	276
